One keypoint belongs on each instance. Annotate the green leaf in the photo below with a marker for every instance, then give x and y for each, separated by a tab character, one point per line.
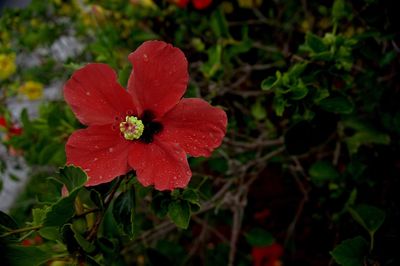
95	196
61	211
213	65
259	237
124	211
218	24
21	256
7	222
365	134
322	171
50	153
299	91
179	212
160	204
109	227
340	9
369	217
320	94
258	111
279	105
315	43
39	215
388	58
218	164
191	196
351	252
296	70
86	245
272	82
72	177
268	83
50	233
338	104
27	124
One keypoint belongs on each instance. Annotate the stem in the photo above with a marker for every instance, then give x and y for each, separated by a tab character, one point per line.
371	247
21	230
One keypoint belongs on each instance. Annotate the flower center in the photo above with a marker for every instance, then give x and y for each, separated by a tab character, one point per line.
132	128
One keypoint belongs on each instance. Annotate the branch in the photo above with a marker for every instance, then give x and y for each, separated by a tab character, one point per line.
21	230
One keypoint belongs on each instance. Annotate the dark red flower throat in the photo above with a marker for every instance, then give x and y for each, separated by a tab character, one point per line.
151	127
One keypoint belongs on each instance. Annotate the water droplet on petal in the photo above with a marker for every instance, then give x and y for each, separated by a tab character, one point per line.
88	93
110	149
145	58
95	159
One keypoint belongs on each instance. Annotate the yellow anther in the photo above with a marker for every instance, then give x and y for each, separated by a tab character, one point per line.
132	128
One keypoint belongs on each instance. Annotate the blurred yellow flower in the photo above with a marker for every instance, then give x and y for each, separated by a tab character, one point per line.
32	90
227	7
93	15
249	3
7	65
144	3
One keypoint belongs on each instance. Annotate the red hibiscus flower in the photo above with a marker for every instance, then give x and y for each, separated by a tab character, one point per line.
198	4
149	127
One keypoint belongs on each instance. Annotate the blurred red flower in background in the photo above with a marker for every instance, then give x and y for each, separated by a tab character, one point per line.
10	129
198	4
148	127
267	255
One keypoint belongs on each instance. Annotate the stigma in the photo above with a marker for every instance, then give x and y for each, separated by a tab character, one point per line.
132	128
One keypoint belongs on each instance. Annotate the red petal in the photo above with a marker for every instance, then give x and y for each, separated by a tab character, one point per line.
95	95
163	165
100	151
159	77
195	125
201	4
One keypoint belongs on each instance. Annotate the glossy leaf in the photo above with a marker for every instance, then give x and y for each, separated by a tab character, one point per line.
191	196
299	91
338	105
124	211
369	217
39	215
7	222
61	211
85	244
21	256
72	177
351	252
258	111
179	212
50	233
322	171
315	43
